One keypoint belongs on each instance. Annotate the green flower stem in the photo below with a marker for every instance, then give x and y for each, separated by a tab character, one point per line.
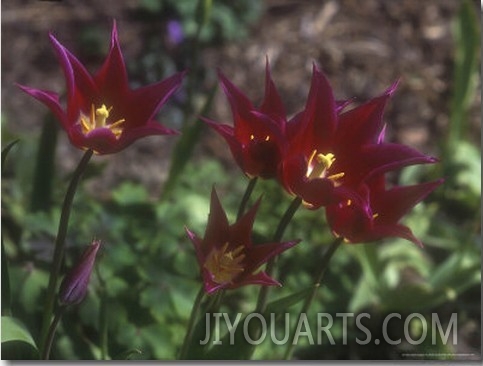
191	324
59	249
310	297
51	333
287	217
103	326
282	226
103	318
246	197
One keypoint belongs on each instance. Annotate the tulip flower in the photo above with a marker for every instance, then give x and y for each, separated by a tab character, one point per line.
257	139
227	256
74	286
331	152
103	113
376	213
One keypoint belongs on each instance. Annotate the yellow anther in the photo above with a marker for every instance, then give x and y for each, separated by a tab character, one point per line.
267	138
349	202
252	137
374	216
326	159
98	119
225	265
335	176
86	127
102	114
319	164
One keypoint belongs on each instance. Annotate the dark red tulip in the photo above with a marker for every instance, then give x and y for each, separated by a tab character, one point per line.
103	113
227	256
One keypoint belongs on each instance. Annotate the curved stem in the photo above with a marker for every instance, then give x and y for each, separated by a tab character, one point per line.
51	333
59	248
318	279
286	218
191	324
248	192
282	226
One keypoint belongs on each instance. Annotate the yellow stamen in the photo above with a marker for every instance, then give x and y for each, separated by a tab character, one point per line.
374	216
225	265
266	138
336	176
326	159
319	164
98	119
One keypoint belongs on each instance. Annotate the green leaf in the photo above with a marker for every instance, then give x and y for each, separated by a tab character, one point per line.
468	179
14	330
203	12
130	194
41	196
364	296
6	296
467	40
456	269
185	146
31	289
127	355
282	304
5	151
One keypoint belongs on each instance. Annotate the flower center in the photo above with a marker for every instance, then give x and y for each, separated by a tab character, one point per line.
225	265
319	165
98	119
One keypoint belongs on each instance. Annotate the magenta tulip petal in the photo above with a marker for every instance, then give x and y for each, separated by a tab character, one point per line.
102	112
398	201
257	138
226	255
261	278
376	213
272	103
50	99
363	124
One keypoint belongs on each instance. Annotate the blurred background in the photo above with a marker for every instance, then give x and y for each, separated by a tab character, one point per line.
138	201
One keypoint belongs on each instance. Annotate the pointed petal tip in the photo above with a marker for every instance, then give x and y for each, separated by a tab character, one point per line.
210	289
189	232
51	36
392	89
431	186
23	88
440	181
114	34
433	159
252	212
315	67
170	131
267	62
55	43
184	72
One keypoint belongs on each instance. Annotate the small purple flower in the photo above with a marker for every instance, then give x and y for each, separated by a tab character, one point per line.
175	32
73	288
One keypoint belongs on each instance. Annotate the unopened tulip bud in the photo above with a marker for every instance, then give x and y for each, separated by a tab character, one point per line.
73	288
